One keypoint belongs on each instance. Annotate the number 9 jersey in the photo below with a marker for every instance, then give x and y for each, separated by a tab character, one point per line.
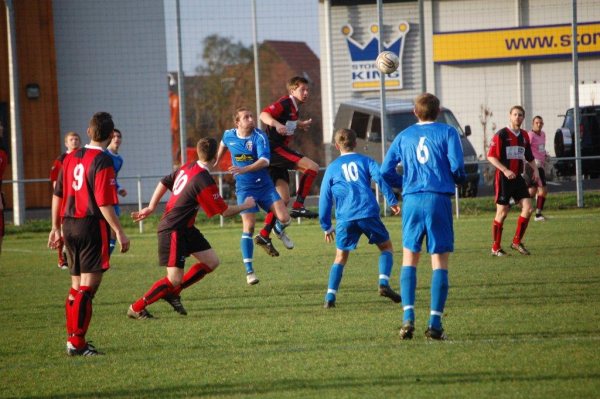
86	182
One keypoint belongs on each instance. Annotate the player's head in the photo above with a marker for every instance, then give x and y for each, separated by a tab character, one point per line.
117	137
206	149
72	141
345	139
101	127
517	114
427	107
298	87
244	119
537	123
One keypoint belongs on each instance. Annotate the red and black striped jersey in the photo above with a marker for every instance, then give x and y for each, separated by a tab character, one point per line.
86	182
191	186
283	110
56	167
511	149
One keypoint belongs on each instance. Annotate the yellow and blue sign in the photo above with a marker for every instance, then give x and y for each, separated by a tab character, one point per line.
549	41
364	73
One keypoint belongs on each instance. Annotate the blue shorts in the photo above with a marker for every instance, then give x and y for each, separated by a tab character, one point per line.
264	196
427	214
118	210
348	233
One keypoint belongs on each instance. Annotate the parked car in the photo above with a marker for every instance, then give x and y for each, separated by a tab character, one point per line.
363	116
589	136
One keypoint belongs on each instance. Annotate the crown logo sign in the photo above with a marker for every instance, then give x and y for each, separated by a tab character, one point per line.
370	50
364	74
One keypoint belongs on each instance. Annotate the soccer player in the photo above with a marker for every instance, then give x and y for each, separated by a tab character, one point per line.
249	149
113	151
282	120
83	200
432	158
3	163
509	148
537	138
72	143
191	187
347	180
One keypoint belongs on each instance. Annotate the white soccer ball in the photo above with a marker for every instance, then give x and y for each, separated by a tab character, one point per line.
387	62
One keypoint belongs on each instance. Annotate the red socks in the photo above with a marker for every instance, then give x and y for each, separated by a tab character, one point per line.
156	292
540	203
81	314
195	274
306	181
496	235
270	221
521	227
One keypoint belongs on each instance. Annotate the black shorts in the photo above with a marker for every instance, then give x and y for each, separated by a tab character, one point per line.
283	159
176	245
542	183
507	189
86	241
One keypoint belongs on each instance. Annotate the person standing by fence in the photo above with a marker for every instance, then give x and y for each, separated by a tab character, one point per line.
539	190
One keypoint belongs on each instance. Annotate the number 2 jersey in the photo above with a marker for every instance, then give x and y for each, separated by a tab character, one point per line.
192	187
432	158
86	182
347	180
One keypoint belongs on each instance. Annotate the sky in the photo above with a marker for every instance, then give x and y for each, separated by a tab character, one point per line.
276	20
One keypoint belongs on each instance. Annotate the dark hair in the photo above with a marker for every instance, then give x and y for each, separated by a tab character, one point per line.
537	117
236	116
427	107
345	138
118	131
294	82
101	126
520	108
206	149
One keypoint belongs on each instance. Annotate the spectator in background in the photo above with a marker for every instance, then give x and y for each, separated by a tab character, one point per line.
3	163
72	143
537	138
509	149
113	151
174	108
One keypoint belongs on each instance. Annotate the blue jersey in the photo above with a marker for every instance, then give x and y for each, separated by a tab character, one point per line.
245	151
347	180
117	162
432	158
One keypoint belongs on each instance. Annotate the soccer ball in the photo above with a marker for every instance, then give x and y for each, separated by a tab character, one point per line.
387	62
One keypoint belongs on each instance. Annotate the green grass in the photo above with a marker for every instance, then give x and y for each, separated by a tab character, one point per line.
519	327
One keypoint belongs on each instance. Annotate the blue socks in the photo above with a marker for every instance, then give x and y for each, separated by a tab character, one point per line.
408	286
335	277
111	245
247	246
386	261
439	293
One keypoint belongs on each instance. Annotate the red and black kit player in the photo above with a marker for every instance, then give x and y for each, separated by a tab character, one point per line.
281	120
83	201
190	185
72	142
509	149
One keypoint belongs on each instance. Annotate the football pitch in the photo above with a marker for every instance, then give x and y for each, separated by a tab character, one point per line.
518	326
